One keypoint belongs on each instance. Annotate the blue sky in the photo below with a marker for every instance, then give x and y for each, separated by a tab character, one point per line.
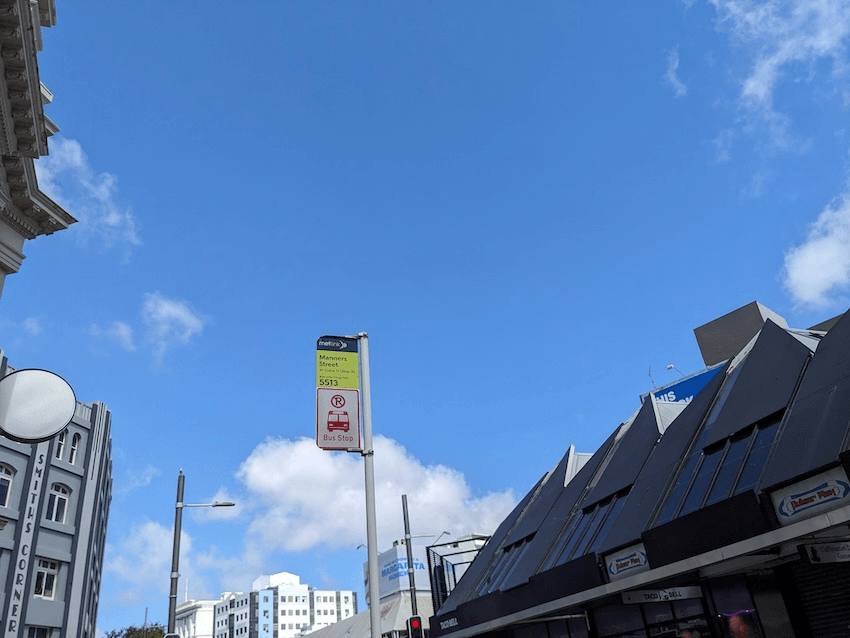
528	207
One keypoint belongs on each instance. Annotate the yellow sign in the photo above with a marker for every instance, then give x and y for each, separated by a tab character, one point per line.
337	363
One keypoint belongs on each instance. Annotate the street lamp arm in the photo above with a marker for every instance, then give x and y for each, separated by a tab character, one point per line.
216	504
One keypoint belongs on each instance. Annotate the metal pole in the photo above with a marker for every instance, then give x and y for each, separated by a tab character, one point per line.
175	553
408	542
369	467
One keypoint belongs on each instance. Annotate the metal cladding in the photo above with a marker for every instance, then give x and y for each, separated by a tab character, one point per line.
765	444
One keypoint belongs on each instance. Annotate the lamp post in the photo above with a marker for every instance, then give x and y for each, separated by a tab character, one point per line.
175	554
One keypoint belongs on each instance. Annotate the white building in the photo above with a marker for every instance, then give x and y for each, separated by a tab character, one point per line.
196	618
280	606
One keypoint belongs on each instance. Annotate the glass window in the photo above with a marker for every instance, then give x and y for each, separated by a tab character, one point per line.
687	608
757	457
75	446
614	509
516	554
6	474
657	612
57	503
575	537
700	485
39	632
617	619
45	578
729	470
678	491
60	444
592	526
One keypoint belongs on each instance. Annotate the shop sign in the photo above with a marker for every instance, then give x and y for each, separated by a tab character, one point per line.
659	595
813	496
828	552
684	390
393	570
626	562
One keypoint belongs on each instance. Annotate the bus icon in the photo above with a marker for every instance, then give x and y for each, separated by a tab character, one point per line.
338	420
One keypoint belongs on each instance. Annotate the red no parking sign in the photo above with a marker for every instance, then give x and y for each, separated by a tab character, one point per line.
337	419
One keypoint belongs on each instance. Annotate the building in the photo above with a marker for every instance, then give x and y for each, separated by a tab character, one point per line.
196	618
25	212
395	600
723	515
280	606
54	506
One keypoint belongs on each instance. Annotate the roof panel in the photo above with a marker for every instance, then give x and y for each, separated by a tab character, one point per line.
765	383
660	469
816	427
629	457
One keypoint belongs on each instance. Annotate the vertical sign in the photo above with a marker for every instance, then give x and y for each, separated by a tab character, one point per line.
337	394
29	519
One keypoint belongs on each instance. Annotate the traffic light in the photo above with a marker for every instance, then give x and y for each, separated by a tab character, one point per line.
414	627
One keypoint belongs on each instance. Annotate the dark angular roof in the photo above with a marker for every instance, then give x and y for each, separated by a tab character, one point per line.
777	412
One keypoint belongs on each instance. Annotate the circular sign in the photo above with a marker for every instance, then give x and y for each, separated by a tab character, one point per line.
35	405
337	400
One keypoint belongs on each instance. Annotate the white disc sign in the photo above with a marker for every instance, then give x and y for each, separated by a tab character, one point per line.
35	405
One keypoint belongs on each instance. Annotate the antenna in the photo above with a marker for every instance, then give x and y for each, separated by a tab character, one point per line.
654	387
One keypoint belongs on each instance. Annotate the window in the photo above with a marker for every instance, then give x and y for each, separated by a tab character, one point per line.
6	474
75	446
39	632
57	503
60	444
45	578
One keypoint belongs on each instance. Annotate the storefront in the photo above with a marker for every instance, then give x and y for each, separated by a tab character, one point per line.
726	516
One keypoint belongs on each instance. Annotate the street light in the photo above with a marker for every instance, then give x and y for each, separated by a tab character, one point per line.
439	537
175	554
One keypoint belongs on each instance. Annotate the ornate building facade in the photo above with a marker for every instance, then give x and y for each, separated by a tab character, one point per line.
54	506
25	211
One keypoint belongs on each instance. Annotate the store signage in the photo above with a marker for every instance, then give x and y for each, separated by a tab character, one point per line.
828	552
25	551
626	562
393	570
659	595
684	390
813	496
449	623
337	364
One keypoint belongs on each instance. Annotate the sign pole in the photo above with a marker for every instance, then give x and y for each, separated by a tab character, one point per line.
408	542
369	467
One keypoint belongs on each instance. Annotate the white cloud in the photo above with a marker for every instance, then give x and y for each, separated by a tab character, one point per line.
120	332
723	145
779	37
313	498
671	75
135	480
143	559
299	498
32	326
817	272
169	322
66	176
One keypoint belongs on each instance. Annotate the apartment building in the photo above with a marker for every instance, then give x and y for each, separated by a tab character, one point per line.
280	606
